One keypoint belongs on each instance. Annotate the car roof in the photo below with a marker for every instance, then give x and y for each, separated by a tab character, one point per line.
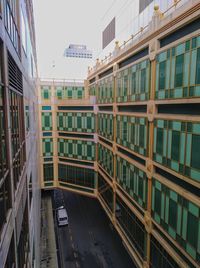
62	212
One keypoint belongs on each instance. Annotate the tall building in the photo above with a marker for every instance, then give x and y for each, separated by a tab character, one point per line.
19	182
78	51
133	140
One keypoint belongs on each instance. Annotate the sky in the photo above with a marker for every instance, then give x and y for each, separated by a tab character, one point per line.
63	22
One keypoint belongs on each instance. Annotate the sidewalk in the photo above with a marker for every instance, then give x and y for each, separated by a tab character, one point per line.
47	240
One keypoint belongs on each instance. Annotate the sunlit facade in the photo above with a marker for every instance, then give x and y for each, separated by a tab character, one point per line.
143	147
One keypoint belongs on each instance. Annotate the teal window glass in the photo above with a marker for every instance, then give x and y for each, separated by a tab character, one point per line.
162	68
89	122
142	135
159	144
175	145
143	80
198	67
79	120
70	148
195	161
157	202
79	149
179	71
46	108
47	121
172	213
70	121
192	230
125	84
133	83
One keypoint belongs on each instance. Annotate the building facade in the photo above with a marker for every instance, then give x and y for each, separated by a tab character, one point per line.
67	136
143	146
19	183
78	51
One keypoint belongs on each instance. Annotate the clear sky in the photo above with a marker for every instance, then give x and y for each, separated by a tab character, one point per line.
63	22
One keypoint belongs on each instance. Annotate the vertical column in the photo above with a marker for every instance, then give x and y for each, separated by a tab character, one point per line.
54	134
114	141
151	110
41	161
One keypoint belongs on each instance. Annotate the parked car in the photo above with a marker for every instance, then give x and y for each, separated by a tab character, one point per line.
62	216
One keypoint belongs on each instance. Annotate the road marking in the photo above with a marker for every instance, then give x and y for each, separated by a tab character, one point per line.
75	255
71	237
77	265
72	245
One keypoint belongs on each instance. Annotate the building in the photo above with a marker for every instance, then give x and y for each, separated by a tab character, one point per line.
67	136
142	147
19	183
78	51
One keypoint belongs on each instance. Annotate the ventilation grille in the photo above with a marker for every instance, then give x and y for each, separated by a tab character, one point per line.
14	75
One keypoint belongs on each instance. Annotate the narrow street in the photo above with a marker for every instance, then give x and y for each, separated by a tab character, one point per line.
89	240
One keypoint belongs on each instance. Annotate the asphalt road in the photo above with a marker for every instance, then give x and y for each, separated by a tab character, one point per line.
88	241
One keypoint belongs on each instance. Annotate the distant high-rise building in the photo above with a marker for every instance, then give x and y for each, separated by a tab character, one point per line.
78	51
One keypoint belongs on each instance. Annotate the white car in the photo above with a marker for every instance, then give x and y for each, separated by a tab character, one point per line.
62	216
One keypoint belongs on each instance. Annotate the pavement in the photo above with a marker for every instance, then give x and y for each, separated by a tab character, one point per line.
47	240
89	241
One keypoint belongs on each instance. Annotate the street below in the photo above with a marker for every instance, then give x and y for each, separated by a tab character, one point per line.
89	241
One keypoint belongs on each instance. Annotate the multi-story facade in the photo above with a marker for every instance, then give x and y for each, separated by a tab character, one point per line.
19	184
145	101
67	136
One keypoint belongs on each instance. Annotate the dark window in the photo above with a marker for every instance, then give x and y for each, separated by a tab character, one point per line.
195	161
175	145
157	202
172	214
162	67
48	172
179	71
159	257
192	230
143	80
198	67
159	141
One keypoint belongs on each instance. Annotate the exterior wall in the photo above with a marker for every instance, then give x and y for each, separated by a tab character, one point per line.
67	132
19	183
148	165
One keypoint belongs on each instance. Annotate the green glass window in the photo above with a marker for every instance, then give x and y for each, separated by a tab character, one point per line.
192	230
142	135
79	149
179	71
70	148
143	80
48	172
159	142
195	161
125	84
89	122
133	83
162	67
173	213
69	93
79	122
175	145
198	67
157	201
59	92
70	121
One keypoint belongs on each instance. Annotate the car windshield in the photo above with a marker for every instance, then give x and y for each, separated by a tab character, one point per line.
63	219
